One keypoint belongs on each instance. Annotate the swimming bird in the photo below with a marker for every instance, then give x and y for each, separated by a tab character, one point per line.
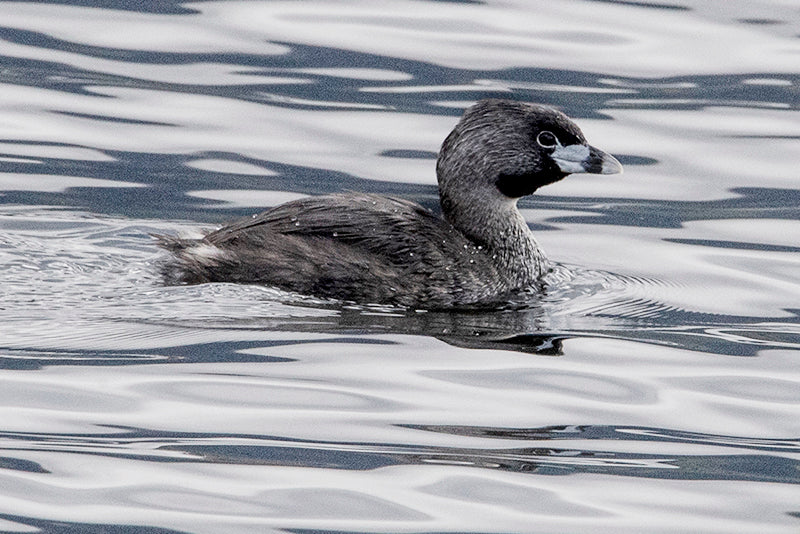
367	248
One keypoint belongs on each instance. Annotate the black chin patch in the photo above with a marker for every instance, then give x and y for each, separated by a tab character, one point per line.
520	185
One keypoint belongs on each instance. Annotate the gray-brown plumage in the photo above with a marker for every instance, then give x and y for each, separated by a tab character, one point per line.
373	249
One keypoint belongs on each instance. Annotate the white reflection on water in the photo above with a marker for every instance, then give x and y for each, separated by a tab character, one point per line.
53	183
655	387
697	276
519	33
347	141
429	498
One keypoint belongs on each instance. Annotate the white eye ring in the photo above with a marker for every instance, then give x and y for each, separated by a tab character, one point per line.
547	139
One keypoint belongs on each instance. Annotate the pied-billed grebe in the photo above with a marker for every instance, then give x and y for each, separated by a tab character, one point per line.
373	249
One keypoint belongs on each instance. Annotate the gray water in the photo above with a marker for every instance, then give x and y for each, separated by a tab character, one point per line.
654	388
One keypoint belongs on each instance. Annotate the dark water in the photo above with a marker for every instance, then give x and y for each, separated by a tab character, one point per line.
655	388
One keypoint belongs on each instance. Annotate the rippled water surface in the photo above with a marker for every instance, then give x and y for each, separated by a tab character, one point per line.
654	388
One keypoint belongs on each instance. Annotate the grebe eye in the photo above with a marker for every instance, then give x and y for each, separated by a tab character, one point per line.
547	139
